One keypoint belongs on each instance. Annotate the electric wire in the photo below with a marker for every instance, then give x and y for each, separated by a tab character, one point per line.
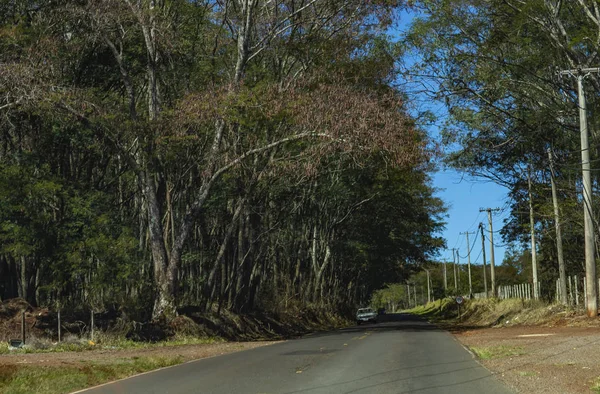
471	248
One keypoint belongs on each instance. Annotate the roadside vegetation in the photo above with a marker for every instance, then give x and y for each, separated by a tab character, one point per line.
493	313
500	71
491	352
102	341
67	378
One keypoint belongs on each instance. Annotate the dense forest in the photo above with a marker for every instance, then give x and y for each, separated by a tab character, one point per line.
226	154
251	155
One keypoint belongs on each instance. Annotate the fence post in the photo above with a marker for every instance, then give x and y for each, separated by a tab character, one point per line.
23	327
576	290
59	324
92	327
571	299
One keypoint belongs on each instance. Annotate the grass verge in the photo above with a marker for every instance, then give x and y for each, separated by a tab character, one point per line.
489	312
64	379
491	352
103	341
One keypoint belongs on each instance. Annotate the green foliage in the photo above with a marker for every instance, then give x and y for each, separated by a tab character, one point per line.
494	65
139	173
391	296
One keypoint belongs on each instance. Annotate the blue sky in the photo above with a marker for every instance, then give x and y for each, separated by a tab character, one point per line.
463	195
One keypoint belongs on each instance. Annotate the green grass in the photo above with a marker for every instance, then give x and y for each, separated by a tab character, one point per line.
527	373
104	341
113	342
491	352
487	312
50	380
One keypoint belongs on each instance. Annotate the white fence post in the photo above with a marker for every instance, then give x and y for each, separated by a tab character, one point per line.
576	290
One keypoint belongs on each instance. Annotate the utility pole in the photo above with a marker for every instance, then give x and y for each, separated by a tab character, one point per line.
533	244
458	266
454	267
590	261
445	279
492	260
428	287
559	246
469	261
485	288
415	294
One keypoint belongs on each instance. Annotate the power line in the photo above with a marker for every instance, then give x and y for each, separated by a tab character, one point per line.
478	256
471	249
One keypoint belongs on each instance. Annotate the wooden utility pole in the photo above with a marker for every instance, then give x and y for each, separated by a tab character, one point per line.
469	261
492	260
485	287
445	278
415	294
454	269
559	246
588	222
458	266
428	287
532	233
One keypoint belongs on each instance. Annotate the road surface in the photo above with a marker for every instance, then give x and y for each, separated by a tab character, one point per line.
402	355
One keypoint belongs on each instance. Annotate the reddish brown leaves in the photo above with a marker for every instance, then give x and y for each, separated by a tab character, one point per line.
334	119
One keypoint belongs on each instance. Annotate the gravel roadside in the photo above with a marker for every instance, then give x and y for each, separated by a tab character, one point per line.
539	359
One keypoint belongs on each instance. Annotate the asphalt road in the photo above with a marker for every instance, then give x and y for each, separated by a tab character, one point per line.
401	355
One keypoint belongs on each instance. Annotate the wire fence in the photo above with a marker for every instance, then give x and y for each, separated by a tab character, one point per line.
576	291
522	290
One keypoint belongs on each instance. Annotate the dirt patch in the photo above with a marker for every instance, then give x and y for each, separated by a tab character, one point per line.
185	352
551	359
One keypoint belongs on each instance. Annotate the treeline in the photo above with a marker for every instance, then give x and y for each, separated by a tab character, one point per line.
238	154
513	112
413	291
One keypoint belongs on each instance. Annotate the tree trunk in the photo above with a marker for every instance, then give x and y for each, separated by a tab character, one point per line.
164	270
